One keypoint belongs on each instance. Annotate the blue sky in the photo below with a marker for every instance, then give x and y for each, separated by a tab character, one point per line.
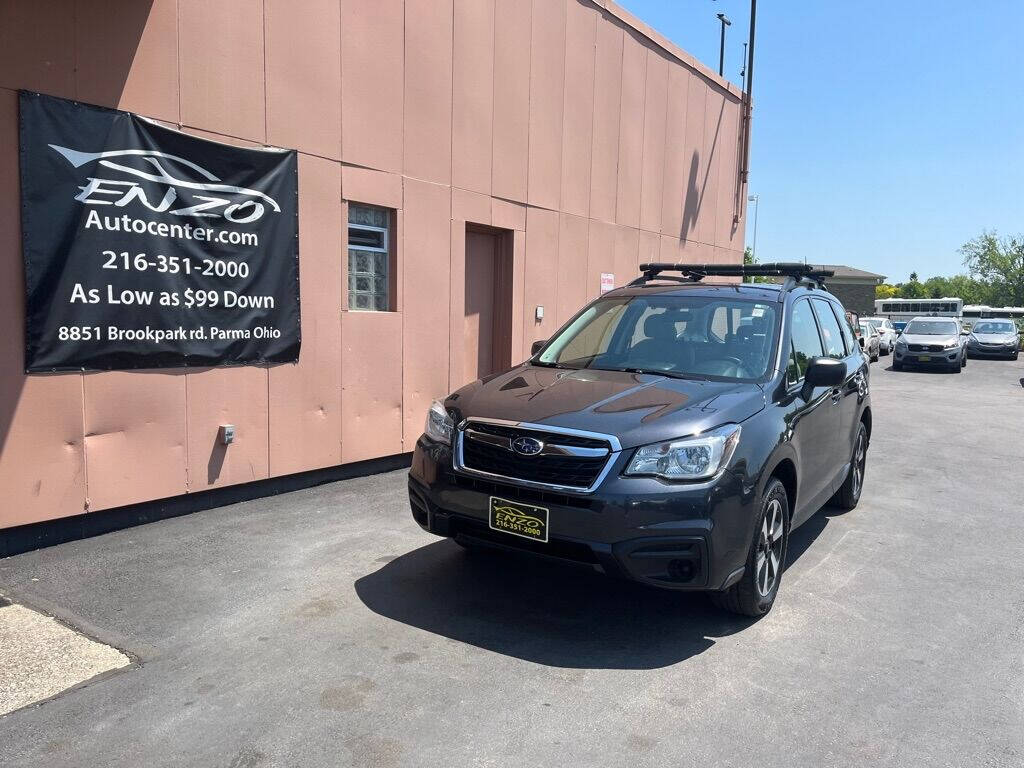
886	134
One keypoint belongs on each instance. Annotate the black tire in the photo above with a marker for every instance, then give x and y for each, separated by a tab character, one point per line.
963	362
1015	354
747	596
849	492
874	359
897	366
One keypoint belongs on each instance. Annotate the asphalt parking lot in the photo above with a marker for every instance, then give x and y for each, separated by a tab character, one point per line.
323	628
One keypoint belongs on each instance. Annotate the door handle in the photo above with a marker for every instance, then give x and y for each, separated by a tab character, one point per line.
837	395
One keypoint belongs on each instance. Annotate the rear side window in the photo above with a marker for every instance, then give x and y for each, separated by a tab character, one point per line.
806	341
830	332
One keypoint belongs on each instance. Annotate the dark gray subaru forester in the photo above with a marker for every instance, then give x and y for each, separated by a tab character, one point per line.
673	432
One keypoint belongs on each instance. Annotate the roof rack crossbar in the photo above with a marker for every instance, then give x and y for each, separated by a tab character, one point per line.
794	272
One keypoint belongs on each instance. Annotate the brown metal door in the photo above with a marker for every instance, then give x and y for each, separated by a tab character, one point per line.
482	249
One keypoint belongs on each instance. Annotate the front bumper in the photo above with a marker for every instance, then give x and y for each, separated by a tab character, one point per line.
992	350
945	358
666	535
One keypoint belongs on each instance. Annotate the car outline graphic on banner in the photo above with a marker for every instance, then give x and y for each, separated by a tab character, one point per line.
132	190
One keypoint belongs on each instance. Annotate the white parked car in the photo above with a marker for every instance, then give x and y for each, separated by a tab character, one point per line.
886	331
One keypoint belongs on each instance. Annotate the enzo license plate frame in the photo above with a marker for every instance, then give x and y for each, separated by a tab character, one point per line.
527	521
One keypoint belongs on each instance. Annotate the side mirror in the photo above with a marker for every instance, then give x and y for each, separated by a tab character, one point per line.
822	372
537	346
964	332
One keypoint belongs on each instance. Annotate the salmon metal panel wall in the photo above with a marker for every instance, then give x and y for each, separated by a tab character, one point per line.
600	256
428	90
37	47
714	150
511	99
426	252
540	273
578	108
304	76
653	163
371	381
547	68
573	234
221	396
472	94
631	132
676	155
222	66
135	445
305	398
123	58
607	96
372	82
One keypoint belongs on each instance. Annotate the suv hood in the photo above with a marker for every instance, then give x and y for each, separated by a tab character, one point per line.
996	338
637	408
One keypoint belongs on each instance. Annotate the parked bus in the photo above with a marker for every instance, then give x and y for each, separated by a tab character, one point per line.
978	311
905	310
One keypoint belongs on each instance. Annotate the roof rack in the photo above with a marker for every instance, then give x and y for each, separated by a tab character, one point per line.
794	272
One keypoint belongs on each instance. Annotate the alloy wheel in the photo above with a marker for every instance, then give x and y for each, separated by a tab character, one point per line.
769	548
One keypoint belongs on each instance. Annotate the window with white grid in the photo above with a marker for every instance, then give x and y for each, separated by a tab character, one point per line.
369	257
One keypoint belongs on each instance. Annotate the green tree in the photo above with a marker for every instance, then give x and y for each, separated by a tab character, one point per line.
998	262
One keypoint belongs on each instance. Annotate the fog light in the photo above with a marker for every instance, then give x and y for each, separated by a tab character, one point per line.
680	570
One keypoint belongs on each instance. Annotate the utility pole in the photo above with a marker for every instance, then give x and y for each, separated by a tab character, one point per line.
721	46
749	94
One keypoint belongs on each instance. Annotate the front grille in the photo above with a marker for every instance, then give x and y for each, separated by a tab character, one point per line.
578	441
926	347
550	469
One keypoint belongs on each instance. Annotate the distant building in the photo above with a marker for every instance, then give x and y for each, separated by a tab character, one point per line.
854	287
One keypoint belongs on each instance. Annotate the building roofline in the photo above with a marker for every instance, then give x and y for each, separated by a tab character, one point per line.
667	46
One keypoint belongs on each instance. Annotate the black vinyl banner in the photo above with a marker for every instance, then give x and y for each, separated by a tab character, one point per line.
145	247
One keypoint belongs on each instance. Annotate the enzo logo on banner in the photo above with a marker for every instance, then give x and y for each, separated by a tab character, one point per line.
242	206
145	247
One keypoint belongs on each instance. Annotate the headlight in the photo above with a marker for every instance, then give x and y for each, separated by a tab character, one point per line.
953	345
439	424
901	342
691	458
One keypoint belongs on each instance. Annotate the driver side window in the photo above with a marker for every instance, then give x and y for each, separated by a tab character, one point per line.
806	341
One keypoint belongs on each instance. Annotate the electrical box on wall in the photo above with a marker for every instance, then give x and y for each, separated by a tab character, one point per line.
227	434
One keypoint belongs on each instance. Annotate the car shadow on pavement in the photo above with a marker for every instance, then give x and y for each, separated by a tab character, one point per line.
547	612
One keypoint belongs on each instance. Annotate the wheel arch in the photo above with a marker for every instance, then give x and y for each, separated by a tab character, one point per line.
865	418
785	471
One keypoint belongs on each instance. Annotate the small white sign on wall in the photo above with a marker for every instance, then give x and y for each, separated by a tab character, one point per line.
607	281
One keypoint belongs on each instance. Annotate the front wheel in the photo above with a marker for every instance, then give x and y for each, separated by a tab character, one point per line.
874	357
754	594
897	366
849	492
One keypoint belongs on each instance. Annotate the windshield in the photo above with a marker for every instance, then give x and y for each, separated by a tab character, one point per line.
931	328
685	337
989	327
867	328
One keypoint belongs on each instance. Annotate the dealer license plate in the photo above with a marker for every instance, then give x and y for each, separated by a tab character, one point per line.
518	519
924	358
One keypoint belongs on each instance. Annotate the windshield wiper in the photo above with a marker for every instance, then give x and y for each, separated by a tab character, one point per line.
543	364
655	372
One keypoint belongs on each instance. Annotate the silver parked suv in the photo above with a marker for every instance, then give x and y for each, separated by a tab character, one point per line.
994	337
931	341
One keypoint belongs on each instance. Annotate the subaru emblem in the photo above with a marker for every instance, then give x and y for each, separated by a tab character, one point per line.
527	446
